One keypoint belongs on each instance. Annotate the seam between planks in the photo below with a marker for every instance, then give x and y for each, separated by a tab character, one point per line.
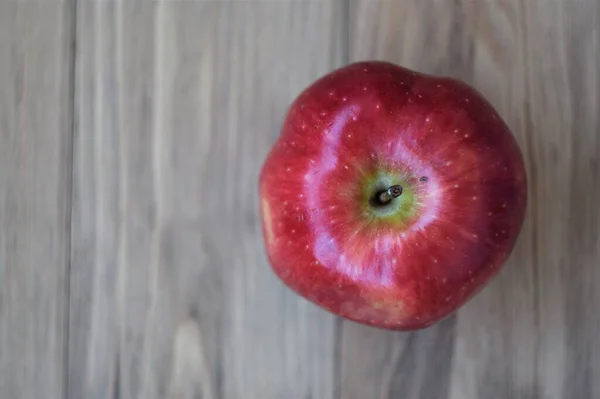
71	11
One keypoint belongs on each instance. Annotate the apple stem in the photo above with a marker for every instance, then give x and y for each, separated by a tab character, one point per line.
385	197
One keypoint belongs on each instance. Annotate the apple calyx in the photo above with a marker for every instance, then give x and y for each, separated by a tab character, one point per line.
389	196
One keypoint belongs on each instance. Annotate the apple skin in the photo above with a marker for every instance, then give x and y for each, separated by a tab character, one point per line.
362	127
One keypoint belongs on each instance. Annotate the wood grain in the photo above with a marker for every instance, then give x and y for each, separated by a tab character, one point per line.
171	293
35	152
176	104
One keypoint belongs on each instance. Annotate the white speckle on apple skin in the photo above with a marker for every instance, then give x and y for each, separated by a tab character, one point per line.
344	99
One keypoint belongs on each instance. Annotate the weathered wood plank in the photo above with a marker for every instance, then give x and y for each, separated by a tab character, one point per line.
171	295
497	332
534	331
431	36
35	156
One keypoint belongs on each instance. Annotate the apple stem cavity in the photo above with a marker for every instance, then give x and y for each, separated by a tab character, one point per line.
385	197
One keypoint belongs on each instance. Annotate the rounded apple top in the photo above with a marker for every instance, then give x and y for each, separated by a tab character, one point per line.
391	197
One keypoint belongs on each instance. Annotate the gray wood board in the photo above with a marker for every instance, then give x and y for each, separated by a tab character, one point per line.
172	296
35	154
534	332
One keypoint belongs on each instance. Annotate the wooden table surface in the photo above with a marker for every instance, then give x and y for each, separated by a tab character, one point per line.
131	259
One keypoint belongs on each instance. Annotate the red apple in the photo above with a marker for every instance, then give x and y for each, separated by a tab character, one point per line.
391	197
